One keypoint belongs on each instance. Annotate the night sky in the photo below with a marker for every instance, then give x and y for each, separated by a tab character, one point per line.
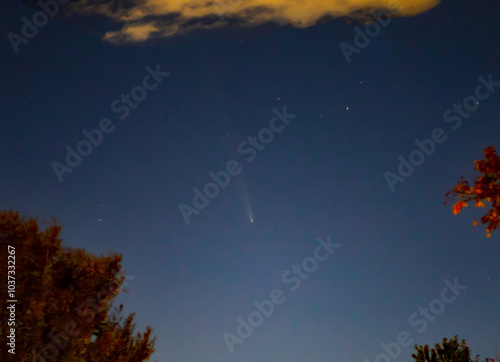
301	140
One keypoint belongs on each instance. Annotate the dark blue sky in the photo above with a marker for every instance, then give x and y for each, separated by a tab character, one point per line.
323	174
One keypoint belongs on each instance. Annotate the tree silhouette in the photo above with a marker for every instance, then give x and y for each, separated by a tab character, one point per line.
62	299
486	187
450	351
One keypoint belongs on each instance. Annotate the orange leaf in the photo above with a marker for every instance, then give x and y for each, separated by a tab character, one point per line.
457	208
474	223
479	203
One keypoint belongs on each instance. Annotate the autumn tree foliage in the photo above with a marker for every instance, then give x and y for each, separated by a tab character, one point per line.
449	351
63	309
486	188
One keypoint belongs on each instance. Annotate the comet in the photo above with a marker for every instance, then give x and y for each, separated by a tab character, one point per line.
245	199
248	208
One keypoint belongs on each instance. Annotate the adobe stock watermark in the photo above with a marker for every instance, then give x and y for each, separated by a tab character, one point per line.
95	136
40	19
362	39
425	148
89	308
421	319
265	308
247	149
225	6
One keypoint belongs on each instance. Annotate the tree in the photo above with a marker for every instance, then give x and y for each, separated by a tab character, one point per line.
61	299
486	187
449	352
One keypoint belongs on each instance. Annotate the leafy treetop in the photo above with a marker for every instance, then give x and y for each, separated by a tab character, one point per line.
486	187
64	298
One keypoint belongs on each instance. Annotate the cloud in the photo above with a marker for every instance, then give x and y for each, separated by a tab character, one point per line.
142	20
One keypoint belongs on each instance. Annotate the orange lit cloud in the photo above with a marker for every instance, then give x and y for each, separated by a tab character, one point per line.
142	20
